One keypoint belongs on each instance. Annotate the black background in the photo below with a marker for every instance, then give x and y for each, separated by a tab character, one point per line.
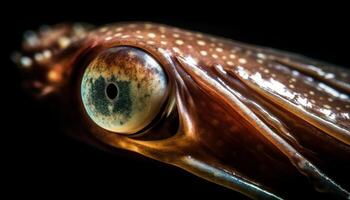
41	161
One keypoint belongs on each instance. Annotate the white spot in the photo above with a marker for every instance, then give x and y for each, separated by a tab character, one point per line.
26	61
150	42
329	76
219	49
266	71
260	61
175	35
125	36
242	61
200	42
295	73
63	42
327	106
311	92
261	56
291	86
139	36
214	56
330	99
47	54
203	53
163	42
230	63
310	79
119	29
118	34
161	50
179	42
232	56
151	35
224	57
162	36
277	66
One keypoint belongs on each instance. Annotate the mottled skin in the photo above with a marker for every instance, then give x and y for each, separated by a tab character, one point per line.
266	123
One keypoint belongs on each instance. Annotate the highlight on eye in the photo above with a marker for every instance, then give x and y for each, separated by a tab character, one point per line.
123	89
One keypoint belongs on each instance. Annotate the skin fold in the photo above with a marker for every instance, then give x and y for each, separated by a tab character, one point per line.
266	123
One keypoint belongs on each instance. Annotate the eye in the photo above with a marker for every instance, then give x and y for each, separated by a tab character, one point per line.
123	89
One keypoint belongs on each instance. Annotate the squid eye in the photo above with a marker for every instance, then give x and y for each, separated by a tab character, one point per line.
123	89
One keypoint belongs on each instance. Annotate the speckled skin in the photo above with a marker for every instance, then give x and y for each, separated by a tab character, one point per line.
266	123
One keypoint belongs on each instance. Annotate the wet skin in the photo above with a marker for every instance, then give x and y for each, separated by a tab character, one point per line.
266	123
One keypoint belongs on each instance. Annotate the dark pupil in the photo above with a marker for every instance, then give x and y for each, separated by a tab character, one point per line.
111	91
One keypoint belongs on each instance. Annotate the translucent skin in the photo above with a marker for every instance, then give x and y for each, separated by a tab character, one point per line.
266	123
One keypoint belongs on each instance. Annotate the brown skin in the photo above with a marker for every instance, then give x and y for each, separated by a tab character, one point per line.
269	118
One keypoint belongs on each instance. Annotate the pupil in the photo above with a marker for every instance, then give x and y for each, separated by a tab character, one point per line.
111	91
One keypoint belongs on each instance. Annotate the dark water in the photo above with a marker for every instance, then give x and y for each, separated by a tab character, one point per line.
41	161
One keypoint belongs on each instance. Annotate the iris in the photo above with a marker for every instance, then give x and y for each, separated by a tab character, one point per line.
123	89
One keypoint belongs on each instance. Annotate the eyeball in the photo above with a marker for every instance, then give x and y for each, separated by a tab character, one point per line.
123	89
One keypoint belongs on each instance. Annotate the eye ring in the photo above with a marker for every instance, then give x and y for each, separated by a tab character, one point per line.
140	72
